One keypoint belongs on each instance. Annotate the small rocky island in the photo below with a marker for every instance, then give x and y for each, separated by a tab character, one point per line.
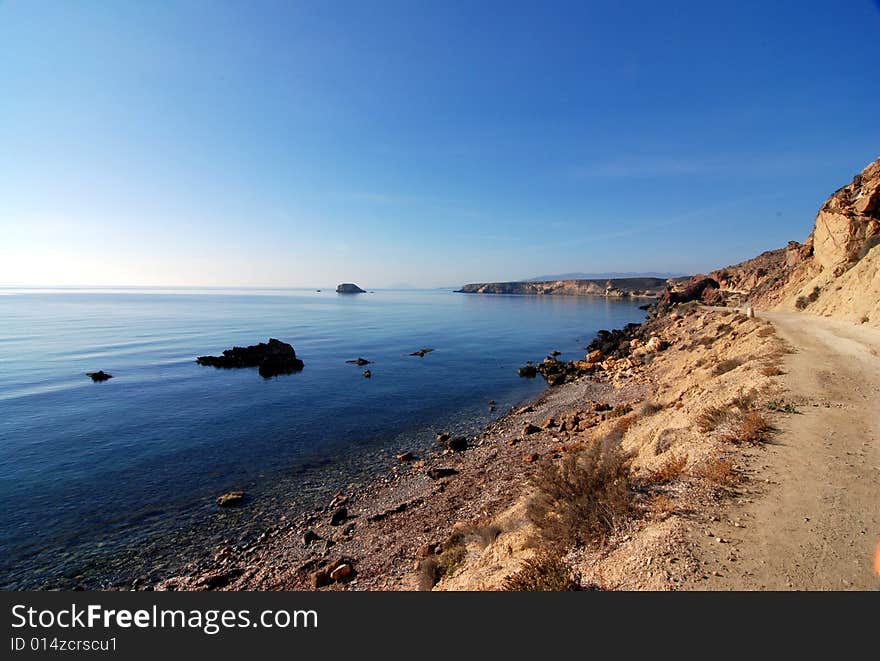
349	288
272	358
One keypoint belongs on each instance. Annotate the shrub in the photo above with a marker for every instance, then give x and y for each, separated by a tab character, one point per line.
748	428
669	470
865	319
582	499
546	572
771	370
718	471
661	507
727	365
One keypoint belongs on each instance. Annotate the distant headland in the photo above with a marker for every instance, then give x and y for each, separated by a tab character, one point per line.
612	287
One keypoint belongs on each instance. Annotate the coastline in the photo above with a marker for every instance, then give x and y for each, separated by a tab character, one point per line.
403	516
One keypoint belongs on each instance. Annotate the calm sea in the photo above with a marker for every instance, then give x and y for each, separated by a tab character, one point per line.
102	482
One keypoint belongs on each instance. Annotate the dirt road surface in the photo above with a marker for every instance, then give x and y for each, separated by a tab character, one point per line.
813	519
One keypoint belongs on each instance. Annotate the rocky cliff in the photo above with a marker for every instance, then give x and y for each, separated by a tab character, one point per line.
614	288
835	272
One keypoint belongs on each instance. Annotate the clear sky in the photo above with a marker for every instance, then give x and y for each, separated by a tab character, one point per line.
429	144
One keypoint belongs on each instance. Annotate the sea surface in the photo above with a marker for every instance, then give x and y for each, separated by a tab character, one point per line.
101	483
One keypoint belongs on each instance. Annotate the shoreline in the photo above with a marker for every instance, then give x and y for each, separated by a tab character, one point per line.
402	518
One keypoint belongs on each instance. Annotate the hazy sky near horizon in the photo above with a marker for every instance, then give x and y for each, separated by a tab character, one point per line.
426	144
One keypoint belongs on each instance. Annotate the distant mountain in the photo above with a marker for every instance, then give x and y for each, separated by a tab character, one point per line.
601	276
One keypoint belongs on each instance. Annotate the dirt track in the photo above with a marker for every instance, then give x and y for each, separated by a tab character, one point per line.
815	522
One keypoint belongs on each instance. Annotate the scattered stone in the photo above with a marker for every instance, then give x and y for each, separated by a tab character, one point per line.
549	423
442	437
320	579
339	516
529	428
514	441
403	457
310	536
426	550
342	572
531	457
230	498
524	409
99	376
439	473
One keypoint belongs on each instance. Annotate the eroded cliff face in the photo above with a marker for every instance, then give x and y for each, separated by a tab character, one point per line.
835	272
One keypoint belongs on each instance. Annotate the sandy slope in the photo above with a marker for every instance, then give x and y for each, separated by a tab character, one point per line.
818	521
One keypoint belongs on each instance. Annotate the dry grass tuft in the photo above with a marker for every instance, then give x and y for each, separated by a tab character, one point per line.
669	471
772	370
546	572
752	428
661	507
584	498
709	419
718	471
727	365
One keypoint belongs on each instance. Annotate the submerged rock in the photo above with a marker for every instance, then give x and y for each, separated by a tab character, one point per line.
230	498
99	376
421	352
359	361
349	288
368	374
272	358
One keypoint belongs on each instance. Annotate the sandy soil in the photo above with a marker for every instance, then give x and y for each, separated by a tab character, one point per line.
814	524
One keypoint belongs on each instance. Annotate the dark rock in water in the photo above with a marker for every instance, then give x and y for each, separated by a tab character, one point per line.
359	361
272	358
439	473
442	437
368	374
528	371
99	376
338	516
230	498
457	443
421	352
555	353
349	288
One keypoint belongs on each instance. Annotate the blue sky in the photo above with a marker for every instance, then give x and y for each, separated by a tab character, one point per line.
432	144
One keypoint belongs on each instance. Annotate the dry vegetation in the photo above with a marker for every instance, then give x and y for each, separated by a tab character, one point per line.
581	500
546	572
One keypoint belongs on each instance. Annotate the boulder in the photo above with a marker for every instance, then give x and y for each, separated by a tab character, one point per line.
349	288
272	358
339	516
457	443
528	371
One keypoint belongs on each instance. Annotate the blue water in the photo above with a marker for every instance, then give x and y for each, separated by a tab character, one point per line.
104	481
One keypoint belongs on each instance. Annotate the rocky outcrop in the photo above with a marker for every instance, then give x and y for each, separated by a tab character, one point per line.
834	272
700	288
613	288
848	224
272	358
349	288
